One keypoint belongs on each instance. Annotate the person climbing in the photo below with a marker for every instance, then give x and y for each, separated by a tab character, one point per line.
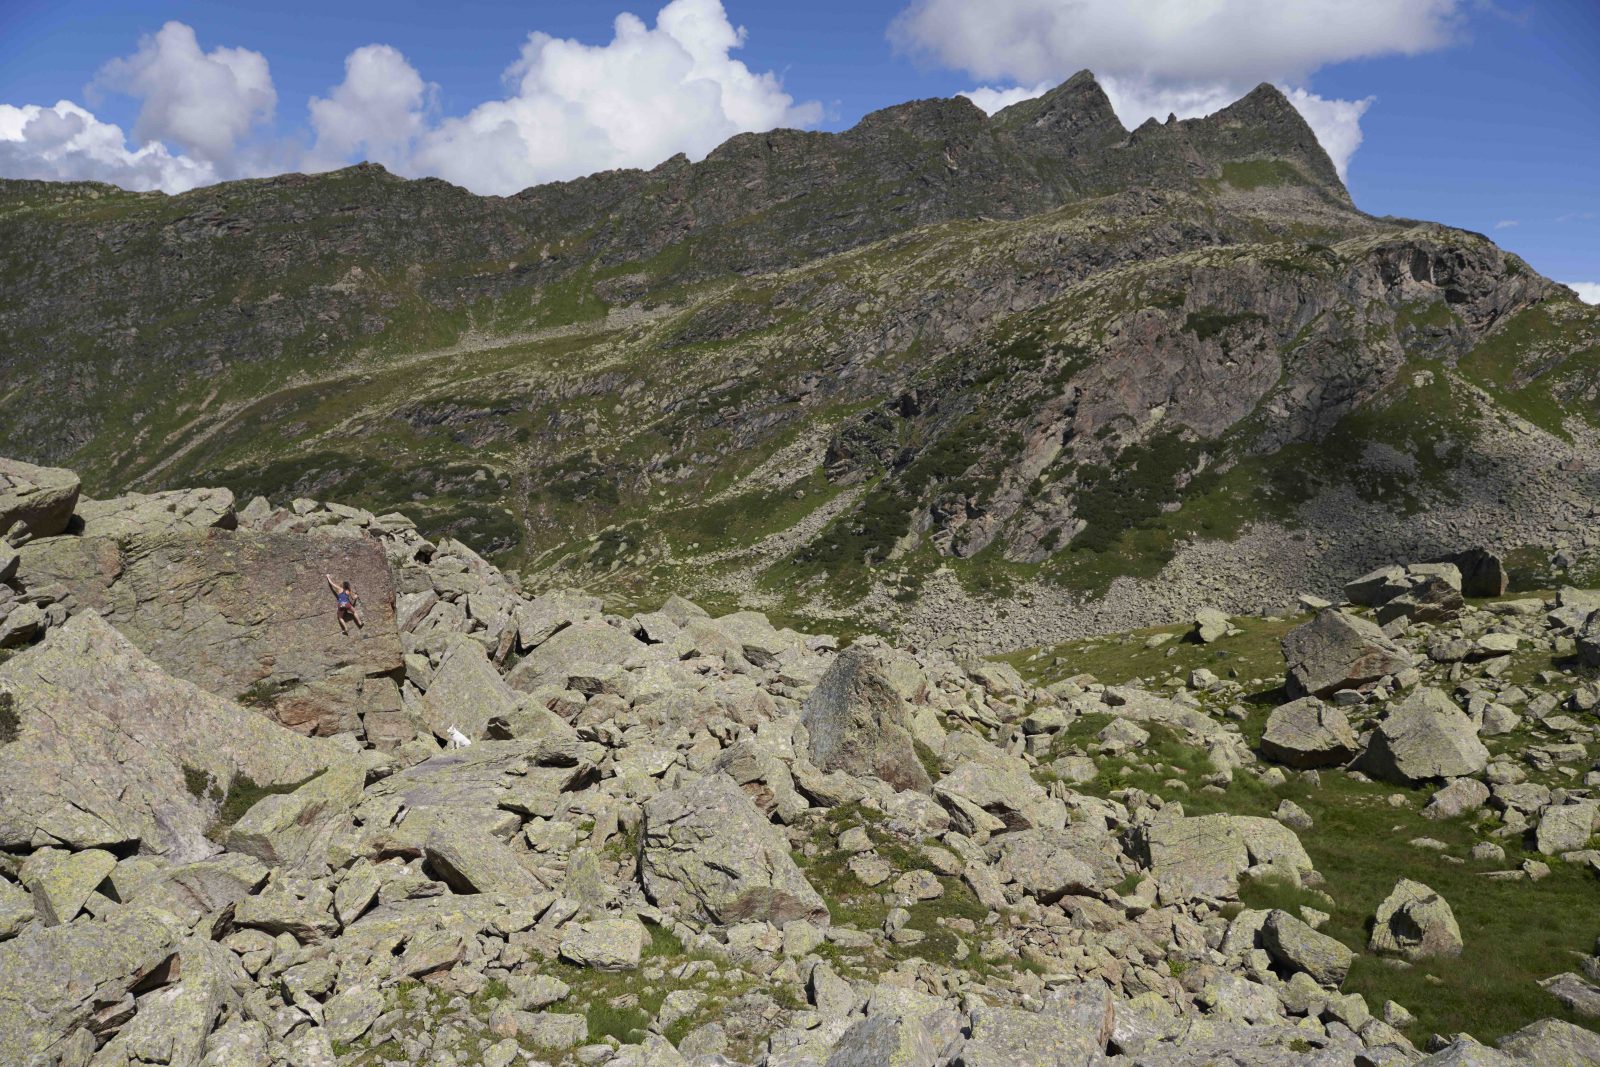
347	599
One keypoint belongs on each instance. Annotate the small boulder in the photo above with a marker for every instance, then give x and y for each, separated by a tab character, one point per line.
604	944
1567	827
1307	733
1415	922
1210	625
1293	944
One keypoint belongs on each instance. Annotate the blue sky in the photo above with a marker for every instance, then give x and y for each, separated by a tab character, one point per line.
1478	113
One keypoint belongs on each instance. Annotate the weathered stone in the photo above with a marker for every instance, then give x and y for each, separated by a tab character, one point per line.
61	888
1308	733
1567	827
1196	857
241	613
1045	865
1431	598
1337	651
1007	1037
40	497
707	849
291	829
51	978
1415	922
604	944
1426	736
1210	625
858	723
1483	574
1376	586
111	750
590	642
1552	1043
466	692
469	860
1457	798
1295	945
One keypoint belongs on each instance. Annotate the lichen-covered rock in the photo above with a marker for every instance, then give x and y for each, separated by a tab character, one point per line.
1336	651
62	886
707	849
858	723
1426	736
1309	733
466	692
111	750
1552	1043
42	498
1567	827
1415	922
294	829
243	614
52	978
604	944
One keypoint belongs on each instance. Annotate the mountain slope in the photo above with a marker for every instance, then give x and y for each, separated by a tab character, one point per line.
935	362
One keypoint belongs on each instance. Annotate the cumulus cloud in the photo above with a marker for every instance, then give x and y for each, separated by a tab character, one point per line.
1160	57
205	103
1588	292
67	143
378	110
575	108
570	109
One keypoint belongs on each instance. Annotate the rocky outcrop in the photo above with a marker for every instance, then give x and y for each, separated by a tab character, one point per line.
112	752
139	514
243	613
857	722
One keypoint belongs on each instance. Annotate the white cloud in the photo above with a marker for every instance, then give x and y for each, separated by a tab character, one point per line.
67	143
576	108
1507	224
572	108
378	109
1175	41
1156	57
1588	292
205	103
1337	123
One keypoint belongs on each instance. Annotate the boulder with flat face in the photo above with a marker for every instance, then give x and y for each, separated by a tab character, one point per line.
1336	651
243	614
41	498
1415	922
110	750
1425	737
708	850
858	723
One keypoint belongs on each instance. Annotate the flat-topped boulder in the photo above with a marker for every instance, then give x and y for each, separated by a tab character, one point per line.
110	751
42	498
244	614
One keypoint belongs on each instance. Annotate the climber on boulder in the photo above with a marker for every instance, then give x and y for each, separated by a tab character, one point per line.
347	599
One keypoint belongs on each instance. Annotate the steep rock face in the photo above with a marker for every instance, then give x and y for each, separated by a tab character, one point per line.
243	613
111	751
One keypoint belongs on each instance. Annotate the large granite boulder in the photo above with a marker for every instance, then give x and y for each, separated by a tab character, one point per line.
707	849
858	723
1567	827
587	643
244	614
1295	945
1308	733
42	498
1337	650
110	750
1424	737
